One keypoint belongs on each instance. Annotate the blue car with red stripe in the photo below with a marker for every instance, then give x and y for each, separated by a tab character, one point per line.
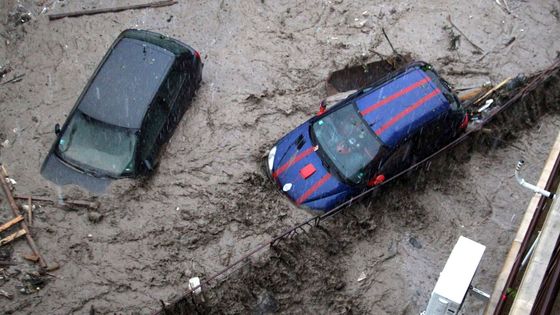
370	136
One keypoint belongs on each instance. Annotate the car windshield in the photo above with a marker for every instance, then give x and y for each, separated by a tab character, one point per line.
95	146
347	141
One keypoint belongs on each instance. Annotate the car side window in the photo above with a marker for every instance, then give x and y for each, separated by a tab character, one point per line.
153	123
397	161
171	86
430	137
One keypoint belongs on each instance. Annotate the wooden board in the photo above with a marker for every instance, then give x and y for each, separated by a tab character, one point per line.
12	237
9	224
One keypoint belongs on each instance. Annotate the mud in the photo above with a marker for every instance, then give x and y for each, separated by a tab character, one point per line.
208	203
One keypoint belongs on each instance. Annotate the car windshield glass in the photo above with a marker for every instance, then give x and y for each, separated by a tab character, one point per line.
95	146
347	141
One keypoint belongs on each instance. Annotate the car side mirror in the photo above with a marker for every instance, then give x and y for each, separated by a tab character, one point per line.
322	108
148	165
57	129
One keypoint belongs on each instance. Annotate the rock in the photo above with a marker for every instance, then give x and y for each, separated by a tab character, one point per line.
266	304
6	253
95	217
414	242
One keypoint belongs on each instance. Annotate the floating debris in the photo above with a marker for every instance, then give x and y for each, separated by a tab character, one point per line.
362	276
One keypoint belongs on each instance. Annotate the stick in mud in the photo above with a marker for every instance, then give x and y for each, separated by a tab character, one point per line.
156	4
459	30
84	203
389	41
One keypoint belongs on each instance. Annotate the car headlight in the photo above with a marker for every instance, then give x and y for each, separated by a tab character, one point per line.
271	155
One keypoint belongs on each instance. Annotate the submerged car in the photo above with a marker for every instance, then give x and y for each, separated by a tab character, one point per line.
367	138
127	111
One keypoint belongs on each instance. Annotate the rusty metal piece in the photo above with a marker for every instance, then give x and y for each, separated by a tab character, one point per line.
31	257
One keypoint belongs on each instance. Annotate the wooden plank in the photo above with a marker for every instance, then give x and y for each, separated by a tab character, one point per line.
156	4
522	230
12	237
9	224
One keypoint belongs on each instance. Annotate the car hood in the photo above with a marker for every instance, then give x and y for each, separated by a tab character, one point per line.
297	166
61	174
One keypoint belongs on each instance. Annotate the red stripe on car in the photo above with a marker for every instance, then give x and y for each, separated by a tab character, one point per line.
394	96
313	188
293	161
406	111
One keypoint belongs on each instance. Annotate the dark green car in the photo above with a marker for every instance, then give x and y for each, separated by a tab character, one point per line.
128	109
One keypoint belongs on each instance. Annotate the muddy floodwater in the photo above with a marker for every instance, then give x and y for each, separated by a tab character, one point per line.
266	64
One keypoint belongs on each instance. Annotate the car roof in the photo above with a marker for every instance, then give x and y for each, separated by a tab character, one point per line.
398	107
123	87
171	44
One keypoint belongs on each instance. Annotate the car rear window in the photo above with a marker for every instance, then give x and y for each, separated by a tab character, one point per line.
126	83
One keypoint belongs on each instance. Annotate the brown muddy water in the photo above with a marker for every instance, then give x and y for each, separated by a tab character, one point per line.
209	203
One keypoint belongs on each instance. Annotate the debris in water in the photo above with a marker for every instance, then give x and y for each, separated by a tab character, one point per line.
95	217
32	282
486	105
454	39
19	15
480	50
194	282
266	304
6	294
414	242
362	276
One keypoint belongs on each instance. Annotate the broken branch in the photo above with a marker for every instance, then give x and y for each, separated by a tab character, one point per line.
156	4
389	41
459	30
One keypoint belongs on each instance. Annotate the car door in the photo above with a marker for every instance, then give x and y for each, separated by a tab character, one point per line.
171	95
398	161
432	136
151	132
